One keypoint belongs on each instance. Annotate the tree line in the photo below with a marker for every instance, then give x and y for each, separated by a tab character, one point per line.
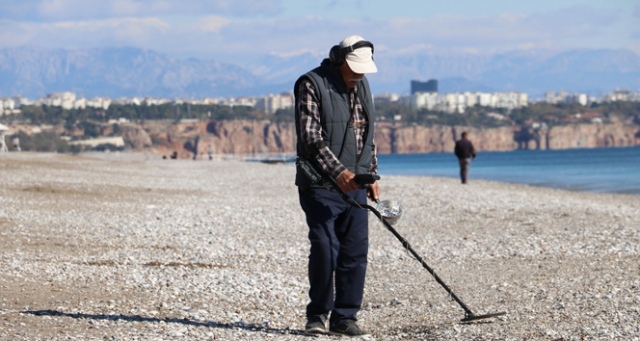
479	116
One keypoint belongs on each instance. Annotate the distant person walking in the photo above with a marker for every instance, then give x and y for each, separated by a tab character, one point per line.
464	150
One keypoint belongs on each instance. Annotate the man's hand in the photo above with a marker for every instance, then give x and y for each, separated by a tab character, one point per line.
373	191
346	181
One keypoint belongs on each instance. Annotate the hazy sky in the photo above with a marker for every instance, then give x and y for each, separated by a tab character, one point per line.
240	31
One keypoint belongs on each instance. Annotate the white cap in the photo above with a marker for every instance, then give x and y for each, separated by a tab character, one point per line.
360	60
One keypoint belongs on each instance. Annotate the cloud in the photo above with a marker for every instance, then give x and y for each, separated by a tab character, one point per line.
198	29
492	33
212	24
143	32
65	10
14	34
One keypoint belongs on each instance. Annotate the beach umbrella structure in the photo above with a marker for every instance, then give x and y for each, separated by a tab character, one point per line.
3	143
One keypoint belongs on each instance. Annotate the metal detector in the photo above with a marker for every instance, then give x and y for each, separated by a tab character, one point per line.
469	315
364	180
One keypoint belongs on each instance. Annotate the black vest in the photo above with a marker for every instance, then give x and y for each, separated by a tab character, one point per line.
335	118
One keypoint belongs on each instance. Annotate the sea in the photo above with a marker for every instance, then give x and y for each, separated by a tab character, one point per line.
600	170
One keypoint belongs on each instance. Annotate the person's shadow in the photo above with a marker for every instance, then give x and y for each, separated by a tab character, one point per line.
137	318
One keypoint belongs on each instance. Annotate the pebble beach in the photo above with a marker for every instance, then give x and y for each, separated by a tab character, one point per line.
120	246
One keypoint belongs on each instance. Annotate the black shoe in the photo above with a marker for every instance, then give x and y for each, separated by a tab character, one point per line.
348	328
316	324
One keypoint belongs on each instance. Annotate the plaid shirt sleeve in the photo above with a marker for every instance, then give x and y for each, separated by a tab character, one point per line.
311	131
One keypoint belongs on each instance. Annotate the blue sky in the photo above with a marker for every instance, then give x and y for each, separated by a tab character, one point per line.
243	31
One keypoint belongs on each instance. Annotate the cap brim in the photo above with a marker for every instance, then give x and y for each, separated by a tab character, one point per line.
361	61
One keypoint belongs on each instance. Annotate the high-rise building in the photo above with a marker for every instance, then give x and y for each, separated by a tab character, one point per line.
428	86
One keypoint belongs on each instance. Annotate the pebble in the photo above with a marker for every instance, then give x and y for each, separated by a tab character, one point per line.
127	247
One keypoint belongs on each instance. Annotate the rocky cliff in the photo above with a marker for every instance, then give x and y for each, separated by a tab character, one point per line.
220	137
264	137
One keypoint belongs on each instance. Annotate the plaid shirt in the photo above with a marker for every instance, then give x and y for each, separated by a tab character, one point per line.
311	129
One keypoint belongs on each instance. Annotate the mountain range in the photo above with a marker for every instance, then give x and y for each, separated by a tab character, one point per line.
126	72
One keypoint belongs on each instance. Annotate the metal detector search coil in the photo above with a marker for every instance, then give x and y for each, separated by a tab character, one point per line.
390	210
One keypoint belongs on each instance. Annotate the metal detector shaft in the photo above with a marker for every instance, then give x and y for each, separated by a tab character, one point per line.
407	246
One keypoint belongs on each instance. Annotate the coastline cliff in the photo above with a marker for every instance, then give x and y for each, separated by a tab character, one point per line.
245	137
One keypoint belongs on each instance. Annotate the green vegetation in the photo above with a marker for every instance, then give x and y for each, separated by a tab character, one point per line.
45	142
476	116
38	115
549	114
284	115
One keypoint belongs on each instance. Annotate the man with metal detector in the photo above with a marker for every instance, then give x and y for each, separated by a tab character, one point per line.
334	126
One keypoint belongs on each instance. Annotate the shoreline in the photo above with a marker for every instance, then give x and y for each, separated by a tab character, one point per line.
177	249
289	159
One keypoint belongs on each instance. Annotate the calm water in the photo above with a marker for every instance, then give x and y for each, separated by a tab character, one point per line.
615	170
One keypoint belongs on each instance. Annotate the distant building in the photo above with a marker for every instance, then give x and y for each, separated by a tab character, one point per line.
99	102
582	99
619	95
241	101
459	102
149	101
426	100
20	101
386	98
272	103
7	104
66	100
428	86
565	97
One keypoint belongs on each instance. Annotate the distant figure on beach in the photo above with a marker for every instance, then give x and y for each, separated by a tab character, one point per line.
464	150
334	128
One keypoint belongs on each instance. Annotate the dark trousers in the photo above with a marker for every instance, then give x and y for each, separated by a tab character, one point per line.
339	236
464	169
